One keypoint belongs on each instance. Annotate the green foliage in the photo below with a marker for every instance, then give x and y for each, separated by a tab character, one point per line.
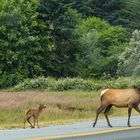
38	83
19	41
63	39
118	12
101	44
61	22
76	84
129	64
9	80
85	7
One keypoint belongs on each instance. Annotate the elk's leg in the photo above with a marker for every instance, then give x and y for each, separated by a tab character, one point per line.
99	110
136	108
106	112
37	122
34	122
25	122
129	115
28	119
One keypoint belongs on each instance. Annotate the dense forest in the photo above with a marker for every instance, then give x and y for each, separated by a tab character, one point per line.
68	38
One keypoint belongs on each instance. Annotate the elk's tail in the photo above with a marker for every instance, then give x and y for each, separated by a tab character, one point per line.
102	93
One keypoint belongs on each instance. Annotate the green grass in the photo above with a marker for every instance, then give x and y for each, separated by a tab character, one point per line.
62	107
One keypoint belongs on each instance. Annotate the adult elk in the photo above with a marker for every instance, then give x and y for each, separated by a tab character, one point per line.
129	98
35	114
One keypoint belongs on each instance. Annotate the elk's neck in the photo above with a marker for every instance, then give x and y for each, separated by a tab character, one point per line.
40	110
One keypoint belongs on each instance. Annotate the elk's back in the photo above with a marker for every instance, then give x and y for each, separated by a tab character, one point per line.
120	97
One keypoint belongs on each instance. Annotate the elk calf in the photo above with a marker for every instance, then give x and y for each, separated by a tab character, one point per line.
35	114
129	98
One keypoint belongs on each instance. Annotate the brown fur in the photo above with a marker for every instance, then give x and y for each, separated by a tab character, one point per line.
129	98
33	113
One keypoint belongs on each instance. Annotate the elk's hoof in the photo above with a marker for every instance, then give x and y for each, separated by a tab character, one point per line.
129	126
110	126
94	125
32	127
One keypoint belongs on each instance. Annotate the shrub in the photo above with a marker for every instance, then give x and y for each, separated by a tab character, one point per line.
76	83
38	83
9	80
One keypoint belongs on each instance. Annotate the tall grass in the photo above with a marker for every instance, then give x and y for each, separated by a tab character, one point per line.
61	108
67	99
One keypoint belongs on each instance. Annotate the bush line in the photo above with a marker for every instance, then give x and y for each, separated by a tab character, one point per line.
62	84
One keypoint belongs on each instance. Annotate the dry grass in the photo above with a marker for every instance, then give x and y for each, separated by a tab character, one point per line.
62	107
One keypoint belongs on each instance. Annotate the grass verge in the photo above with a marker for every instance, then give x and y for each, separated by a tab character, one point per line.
62	107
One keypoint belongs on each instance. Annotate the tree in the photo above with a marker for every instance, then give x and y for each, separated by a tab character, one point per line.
85	7
129	60
101	44
61	21
118	12
19	41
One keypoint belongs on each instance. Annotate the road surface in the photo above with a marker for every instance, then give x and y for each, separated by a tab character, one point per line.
78	131
131	134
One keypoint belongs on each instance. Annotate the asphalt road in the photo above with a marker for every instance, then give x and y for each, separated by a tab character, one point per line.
79	130
132	134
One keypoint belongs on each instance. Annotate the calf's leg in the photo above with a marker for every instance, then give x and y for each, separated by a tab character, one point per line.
34	122
25	122
28	119
37	122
